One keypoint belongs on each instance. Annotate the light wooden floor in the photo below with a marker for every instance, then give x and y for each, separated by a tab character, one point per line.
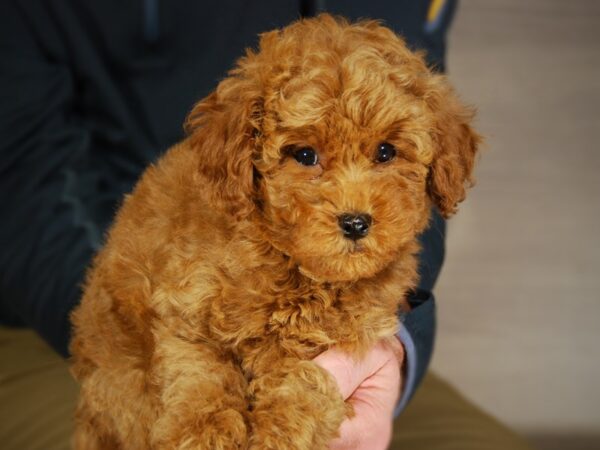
519	298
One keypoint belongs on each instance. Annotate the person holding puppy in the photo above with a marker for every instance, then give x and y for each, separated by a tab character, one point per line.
93	93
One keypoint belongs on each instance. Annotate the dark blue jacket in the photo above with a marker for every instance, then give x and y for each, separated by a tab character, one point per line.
92	92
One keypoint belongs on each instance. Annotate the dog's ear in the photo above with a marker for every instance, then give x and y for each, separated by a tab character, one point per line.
455	141
222	129
456	145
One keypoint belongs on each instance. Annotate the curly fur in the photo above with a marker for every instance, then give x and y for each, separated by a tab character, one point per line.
226	272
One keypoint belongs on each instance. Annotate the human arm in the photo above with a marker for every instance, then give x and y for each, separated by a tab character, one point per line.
52	215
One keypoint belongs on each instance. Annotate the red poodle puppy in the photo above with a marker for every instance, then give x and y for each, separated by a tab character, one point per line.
285	223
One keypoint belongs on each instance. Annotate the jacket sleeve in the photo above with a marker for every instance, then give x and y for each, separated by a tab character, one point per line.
417	328
51	207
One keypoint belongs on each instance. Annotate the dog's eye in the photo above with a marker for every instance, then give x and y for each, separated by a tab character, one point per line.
306	156
385	152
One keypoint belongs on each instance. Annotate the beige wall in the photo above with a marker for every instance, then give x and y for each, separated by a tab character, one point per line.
519	298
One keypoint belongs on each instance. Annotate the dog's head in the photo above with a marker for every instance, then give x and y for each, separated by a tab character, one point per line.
336	140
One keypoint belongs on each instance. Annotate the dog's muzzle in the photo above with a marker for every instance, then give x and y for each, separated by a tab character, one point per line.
354	226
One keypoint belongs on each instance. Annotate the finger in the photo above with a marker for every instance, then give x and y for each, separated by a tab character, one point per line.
369	429
349	372
394	344
344	369
373	403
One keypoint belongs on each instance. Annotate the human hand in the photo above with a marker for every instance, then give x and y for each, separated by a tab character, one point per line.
372	386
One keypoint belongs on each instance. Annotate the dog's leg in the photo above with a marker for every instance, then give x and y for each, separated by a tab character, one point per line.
295	406
90	433
117	406
203	398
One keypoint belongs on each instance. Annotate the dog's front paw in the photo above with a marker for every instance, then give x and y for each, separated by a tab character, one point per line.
225	430
298	407
221	430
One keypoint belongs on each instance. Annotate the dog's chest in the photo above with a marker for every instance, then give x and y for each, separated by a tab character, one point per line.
299	319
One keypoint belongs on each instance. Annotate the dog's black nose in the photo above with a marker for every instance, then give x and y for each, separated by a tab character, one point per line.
355	226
